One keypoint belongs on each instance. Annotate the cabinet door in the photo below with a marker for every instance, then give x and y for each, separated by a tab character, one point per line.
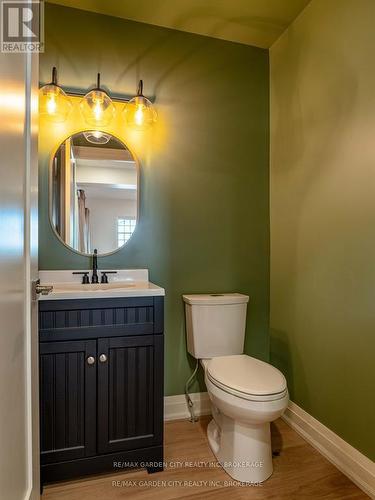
67	400
130	392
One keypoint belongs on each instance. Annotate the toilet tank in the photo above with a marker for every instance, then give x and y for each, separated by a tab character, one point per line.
215	324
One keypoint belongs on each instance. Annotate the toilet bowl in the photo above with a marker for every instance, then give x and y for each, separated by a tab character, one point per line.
246	394
242	409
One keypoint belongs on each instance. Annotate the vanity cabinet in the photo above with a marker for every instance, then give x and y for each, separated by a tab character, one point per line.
101	385
128	382
67	400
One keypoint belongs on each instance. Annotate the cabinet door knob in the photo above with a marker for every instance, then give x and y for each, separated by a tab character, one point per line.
103	358
90	360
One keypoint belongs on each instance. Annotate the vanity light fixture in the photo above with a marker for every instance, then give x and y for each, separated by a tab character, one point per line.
97	107
139	112
54	104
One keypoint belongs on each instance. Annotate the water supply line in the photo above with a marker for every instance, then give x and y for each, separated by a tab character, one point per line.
189	401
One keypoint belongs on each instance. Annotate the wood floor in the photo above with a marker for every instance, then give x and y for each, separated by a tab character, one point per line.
300	472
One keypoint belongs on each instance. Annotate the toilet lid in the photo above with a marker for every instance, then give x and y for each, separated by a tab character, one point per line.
247	375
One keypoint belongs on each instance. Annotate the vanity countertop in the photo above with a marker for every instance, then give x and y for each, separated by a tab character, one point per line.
125	283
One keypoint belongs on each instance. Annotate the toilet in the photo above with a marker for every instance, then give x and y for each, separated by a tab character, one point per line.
246	394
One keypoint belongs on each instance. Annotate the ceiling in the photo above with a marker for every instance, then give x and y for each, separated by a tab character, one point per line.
251	22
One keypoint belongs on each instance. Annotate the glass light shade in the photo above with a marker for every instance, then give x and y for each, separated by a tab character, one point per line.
96	137
139	113
54	104
97	108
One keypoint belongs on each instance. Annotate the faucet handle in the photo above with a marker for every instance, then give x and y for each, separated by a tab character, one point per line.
104	277
85	277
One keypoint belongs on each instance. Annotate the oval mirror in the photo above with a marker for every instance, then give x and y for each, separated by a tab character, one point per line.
93	192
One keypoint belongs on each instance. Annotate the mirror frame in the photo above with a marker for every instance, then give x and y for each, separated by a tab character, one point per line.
50	180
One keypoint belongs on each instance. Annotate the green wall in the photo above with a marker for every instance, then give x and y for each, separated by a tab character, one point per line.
322	215
204	215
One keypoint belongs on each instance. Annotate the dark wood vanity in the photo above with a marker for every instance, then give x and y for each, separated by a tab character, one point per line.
101	385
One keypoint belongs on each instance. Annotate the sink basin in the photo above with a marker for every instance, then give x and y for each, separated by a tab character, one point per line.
78	287
125	283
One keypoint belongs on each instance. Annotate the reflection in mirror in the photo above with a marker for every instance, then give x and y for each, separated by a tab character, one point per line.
93	192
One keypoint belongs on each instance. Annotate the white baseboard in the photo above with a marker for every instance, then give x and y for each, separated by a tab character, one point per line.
355	465
175	407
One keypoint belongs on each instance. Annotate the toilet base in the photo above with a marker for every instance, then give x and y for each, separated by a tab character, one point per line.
243	450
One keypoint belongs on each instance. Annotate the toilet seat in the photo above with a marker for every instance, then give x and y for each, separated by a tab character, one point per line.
247	377
249	397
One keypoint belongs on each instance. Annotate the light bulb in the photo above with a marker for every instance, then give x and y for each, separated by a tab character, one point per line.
51	104
139	113
54	104
97	107
98	111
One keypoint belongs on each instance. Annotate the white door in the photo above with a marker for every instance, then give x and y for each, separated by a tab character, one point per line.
19	462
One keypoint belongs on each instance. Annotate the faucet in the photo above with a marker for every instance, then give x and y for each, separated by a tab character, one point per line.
94	277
